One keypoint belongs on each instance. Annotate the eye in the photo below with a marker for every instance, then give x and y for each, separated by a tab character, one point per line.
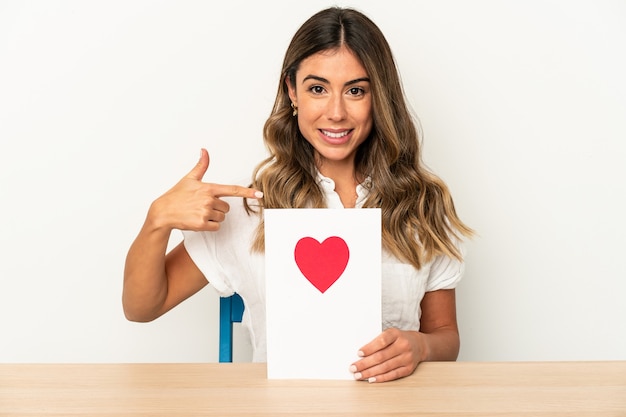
356	91
316	89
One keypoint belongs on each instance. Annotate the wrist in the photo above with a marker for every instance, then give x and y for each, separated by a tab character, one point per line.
440	345
155	223
424	348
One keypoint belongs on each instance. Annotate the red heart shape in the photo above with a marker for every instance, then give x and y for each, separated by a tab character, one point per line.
322	263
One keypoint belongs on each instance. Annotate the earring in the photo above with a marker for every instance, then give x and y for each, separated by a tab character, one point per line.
295	109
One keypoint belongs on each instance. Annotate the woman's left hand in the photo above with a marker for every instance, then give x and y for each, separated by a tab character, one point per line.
393	354
396	353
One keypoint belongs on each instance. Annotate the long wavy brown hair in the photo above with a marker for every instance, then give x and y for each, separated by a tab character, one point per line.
419	220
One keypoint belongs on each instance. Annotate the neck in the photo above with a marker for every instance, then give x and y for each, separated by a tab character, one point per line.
340	171
345	184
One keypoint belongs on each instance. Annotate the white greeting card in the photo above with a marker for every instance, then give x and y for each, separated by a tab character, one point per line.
323	288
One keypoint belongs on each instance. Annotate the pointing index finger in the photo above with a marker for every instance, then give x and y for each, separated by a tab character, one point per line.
221	190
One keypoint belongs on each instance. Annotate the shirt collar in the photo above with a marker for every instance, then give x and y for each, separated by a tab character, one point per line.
332	198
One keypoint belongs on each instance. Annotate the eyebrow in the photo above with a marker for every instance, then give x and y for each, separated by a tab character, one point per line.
324	80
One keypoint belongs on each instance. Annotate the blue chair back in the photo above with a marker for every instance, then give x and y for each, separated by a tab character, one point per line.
231	311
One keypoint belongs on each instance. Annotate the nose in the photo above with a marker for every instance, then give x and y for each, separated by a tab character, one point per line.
336	108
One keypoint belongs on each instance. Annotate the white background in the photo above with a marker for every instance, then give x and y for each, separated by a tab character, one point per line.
104	105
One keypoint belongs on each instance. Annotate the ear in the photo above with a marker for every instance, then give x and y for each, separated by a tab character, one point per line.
292	91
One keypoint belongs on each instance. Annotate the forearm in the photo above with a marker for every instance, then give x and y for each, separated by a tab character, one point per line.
440	345
145	279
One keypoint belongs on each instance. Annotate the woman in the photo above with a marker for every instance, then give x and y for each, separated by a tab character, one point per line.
339	136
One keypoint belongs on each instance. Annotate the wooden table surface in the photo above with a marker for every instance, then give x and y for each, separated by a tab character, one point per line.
241	389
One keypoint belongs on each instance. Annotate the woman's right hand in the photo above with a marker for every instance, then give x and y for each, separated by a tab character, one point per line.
195	205
155	282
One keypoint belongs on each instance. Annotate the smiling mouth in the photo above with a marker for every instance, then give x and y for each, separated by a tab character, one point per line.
335	135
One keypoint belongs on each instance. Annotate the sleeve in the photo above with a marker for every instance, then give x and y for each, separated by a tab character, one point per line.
445	272
201	247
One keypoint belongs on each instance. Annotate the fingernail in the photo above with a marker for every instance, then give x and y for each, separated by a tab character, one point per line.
360	354
352	368
357	375
371	379
258	194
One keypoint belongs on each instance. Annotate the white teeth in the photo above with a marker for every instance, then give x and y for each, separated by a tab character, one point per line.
335	135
